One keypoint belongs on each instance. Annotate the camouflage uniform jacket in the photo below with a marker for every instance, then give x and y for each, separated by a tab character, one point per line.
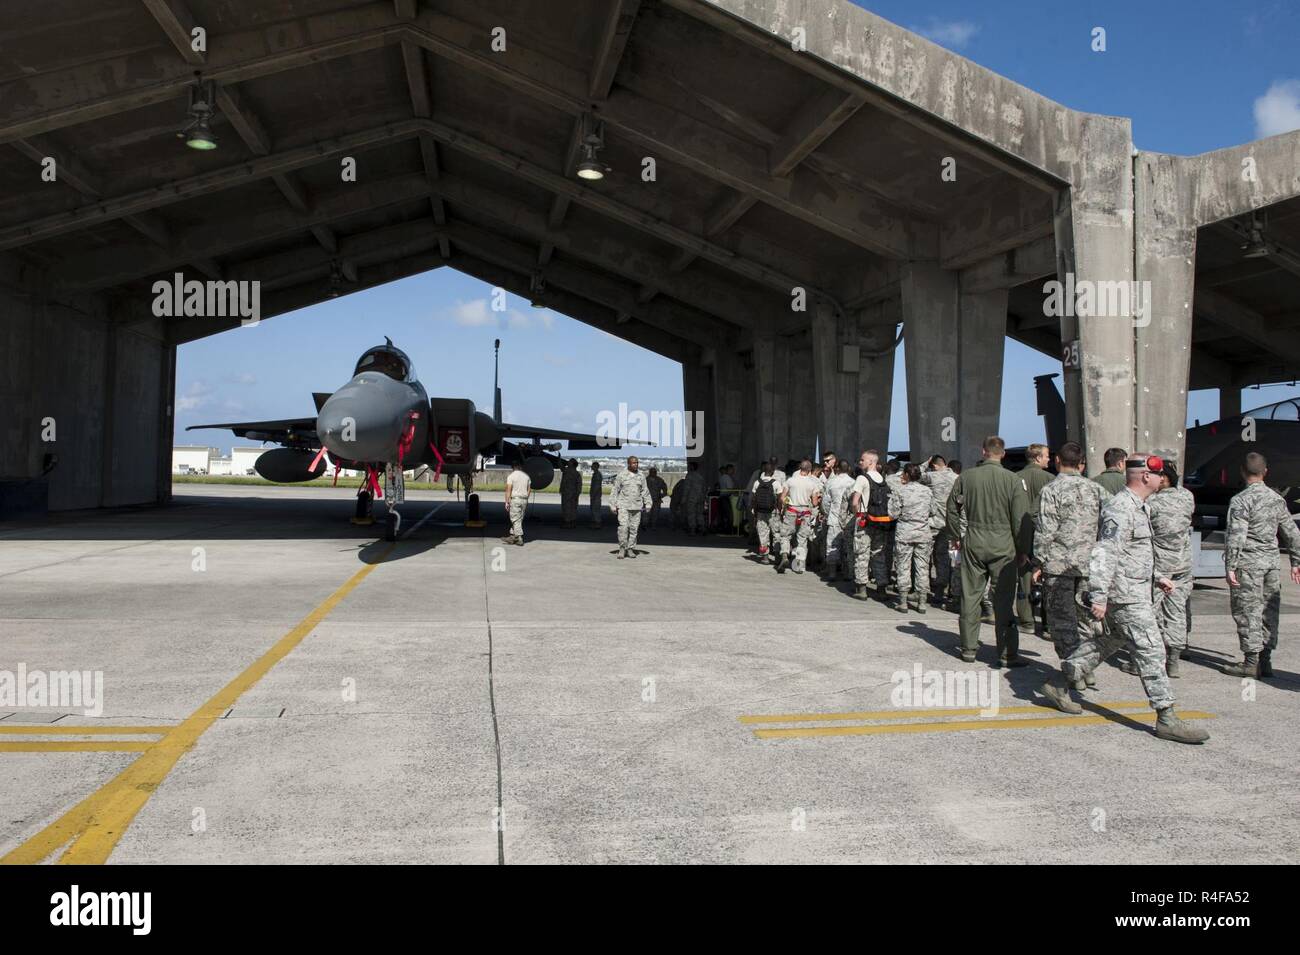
835	499
1122	566
911	507
1171	523
1256	516
940	482
1069	511
629	491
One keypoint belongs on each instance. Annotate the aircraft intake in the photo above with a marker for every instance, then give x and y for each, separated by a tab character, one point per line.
289	465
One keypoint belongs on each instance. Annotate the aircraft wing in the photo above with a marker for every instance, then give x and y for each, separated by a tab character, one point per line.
577	442
290	432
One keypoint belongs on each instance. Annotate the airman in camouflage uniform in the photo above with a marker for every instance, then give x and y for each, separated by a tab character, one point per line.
1171	524
768	523
1069	510
1256	518
870	532
628	498
940	479
912	508
837	518
570	491
1033	477
1121	574
799	505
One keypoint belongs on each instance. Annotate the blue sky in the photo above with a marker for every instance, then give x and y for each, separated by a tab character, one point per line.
1193	75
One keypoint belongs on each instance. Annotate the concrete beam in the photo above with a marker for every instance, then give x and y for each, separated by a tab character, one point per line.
817	120
259	168
1223	188
1028	263
945	95
855	217
73	95
683	323
609	51
178	23
1247	323
1279	256
993	217
119	265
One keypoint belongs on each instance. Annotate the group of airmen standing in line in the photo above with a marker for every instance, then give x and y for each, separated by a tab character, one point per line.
1112	555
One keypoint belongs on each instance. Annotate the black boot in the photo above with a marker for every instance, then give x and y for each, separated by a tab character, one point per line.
1265	662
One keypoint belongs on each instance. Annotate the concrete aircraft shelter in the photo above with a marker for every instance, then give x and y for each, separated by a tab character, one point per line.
797	145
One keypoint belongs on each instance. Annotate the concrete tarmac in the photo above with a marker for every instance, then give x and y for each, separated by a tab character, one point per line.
468	701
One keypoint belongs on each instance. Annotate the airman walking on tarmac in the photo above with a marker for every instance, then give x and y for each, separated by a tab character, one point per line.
1069	510
1257	516
628	499
1171	510
1121	574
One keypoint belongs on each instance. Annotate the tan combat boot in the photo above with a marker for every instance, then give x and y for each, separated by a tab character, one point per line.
1170	727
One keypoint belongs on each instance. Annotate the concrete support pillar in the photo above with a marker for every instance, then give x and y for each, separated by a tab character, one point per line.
954	347
697	393
1230	402
728	381
875	383
1165	264
771	395
1094	241
801	402
836	363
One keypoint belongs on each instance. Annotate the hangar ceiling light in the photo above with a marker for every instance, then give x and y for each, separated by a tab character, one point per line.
593	140
198	131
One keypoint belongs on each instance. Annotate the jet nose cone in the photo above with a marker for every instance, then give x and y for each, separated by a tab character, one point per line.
362	421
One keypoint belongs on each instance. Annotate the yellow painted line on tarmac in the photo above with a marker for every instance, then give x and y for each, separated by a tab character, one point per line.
913	714
74	746
17	729
95	824
952	726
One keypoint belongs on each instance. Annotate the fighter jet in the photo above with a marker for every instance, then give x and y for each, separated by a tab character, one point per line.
383	423
1215	451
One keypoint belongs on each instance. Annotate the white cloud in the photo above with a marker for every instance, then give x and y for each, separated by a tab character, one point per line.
477	313
950	33
473	314
196	396
1278	110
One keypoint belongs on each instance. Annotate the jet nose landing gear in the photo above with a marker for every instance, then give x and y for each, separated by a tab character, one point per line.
394	495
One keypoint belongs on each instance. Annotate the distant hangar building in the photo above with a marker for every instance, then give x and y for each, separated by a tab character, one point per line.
753	188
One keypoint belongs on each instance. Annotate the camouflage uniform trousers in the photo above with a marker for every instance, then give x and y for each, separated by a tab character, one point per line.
912	560
869	553
1069	619
942	564
832	534
1255	603
798	528
1135	625
517	507
769	530
1172	610
694	507
629	522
